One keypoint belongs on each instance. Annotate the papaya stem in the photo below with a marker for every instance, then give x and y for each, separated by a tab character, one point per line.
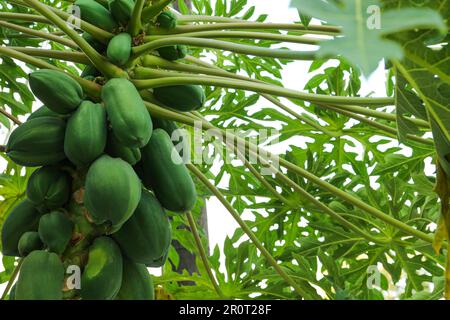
10	117
224	45
100	62
12	16
261	88
11	279
248	231
151	12
40	34
135	25
202	253
77	57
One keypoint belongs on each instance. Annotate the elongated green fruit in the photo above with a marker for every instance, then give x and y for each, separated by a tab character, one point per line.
173	53
41	277
44	112
86	133
130	120
49	188
165	173
102	276
121	10
55	231
112	191
119	49
167	20
117	150
57	90
137	283
147	235
37	142
181	97
29	242
98	46
179	140
23	218
96	14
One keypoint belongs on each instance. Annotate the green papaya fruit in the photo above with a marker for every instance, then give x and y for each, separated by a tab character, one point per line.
49	188
41	277
173	53
165	173
37	142
57	90
96	14
23	218
44	112
90	71
117	150
131	123
12	293
147	235
167	20
112	191
181	97
29	242
119	49
137	283
97	45
159	262
55	231
102	276
179	140
86	133
121	10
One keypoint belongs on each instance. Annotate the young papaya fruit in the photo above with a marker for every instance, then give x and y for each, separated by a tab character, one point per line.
29	242
147	235
102	276
137	283
167	20
117	150
96	14
179	140
23	218
57	90
112	191
86	133
165	173
121	10
97	45
37	142
119	49
131	123
173	53
44	112
49	188
181	97
55	231
41	277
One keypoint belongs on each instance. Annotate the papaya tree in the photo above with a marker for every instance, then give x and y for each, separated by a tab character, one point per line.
123	117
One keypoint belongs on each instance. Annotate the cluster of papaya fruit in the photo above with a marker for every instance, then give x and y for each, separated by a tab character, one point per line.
108	172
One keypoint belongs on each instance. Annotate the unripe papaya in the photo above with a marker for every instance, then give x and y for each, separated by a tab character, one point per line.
167	20
181	97
97	45
41	277
179	140
165	173
37	142
23	218
55	231
102	276
49	188
137	283
147	235
57	90
173	53
44	112
121	10
112	191
117	150
86	133
131	123
159	262
29	242
96	14
119	49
